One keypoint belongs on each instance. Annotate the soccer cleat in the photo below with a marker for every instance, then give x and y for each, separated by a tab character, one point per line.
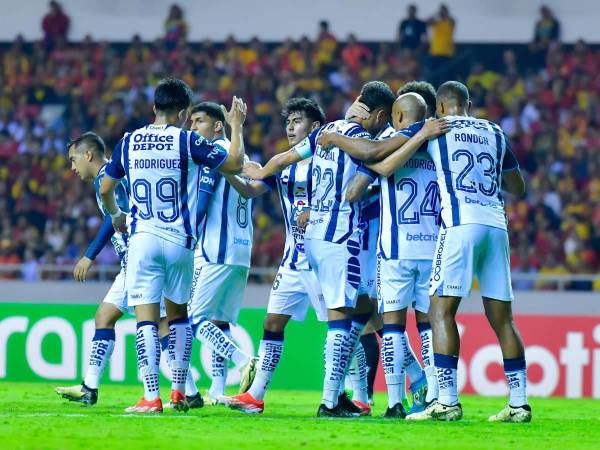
212	401
438	411
336	412
195	401
419	394
365	408
79	393
146	406
247	374
179	401
516	414
395	412
344	402
245	403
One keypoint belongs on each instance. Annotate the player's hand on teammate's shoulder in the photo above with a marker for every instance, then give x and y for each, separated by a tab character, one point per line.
357	110
327	139
119	223
252	170
303	218
435	127
82	268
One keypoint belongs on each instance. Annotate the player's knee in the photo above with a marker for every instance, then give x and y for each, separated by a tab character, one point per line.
275	324
104	321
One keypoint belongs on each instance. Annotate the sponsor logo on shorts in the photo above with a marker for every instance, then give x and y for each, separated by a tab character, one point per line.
300	247
240	241
353	263
453	287
135	296
437	265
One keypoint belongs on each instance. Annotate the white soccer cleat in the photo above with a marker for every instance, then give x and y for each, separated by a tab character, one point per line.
515	414
437	411
212	401
247	374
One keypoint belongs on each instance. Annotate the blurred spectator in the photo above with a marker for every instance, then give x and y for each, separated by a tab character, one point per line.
412	31
546	31
55	24
175	27
441	42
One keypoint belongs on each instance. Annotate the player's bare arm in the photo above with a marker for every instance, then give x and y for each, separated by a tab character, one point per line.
275	165
107	193
513	182
245	187
367	150
358	187
235	117
432	129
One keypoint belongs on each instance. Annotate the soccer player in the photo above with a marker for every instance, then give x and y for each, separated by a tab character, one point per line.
162	162
473	163
409	210
295	285
333	238
222	259
88	161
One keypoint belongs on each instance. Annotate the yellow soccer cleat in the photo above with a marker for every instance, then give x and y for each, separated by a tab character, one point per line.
516	414
438	411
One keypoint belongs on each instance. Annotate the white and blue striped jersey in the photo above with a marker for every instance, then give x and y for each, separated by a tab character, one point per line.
470	159
332	217
226	236
292	187
410	208
118	240
162	166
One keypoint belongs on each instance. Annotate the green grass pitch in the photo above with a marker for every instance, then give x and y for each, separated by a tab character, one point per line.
32	416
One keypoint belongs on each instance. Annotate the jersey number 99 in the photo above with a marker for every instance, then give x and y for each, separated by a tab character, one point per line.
166	191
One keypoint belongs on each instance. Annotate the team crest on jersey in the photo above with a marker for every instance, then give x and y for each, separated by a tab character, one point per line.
300	191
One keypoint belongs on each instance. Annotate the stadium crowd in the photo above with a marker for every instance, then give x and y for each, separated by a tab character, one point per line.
546	98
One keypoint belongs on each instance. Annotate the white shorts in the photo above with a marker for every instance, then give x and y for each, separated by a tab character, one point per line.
157	269
217	291
467	250
402	283
293	291
338	269
117	296
368	266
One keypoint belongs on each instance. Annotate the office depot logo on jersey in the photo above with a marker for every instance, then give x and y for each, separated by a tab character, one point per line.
562	352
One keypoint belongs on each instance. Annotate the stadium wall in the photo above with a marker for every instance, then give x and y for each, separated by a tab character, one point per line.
46	330
275	20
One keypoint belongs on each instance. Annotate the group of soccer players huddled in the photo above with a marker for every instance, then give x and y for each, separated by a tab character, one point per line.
388	208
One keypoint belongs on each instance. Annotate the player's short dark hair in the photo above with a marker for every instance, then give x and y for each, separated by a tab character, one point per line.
211	109
424	89
454	91
309	107
377	94
172	95
91	140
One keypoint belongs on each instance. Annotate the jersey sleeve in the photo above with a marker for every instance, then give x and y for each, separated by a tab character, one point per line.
510	161
105	232
409	131
114	168
357	132
208	180
206	152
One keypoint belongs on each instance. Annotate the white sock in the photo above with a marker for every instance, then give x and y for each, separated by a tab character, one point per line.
180	352
515	370
190	385
219	369
392	358
427	357
269	355
338	347
358	375
411	363
211	336
445	366
356	329
103	344
148	355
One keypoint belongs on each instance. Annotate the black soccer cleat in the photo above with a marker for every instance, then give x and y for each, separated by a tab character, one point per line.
336	412
195	401
345	403
79	393
395	412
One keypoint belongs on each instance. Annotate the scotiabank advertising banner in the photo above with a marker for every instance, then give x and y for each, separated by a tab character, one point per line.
50	342
562	352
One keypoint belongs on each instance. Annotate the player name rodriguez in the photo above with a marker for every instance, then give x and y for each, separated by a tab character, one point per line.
148	163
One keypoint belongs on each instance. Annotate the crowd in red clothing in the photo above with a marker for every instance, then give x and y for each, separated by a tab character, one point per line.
52	90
